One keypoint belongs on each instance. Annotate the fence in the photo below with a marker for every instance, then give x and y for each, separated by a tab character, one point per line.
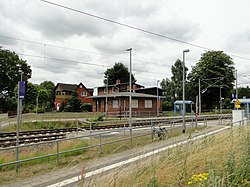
126	133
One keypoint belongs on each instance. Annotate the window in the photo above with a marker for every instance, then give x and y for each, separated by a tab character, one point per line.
115	104
80	86
84	94
134	103
148	103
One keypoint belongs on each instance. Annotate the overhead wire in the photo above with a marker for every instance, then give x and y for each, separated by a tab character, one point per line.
136	28
73	49
78	62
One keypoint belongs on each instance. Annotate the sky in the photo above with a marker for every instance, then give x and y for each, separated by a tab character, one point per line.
65	46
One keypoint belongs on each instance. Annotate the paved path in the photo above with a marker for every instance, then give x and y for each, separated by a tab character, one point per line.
68	176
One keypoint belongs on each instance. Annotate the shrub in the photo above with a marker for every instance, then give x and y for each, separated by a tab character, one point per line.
86	107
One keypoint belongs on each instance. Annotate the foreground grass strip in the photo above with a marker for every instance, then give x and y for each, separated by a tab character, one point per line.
38	167
217	160
122	163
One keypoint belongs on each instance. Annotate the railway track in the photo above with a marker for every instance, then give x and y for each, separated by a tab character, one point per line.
26	137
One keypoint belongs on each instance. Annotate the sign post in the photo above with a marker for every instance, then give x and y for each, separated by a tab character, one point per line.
21	96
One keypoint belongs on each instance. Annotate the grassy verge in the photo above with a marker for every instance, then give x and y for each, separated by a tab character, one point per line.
32	168
40	125
219	160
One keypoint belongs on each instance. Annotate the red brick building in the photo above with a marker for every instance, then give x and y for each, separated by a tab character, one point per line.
65	91
116	99
84	93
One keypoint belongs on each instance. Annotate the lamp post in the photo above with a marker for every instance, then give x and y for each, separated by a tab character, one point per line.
236	84
130	81
199	96
36	106
106	101
157	101
220	101
183	87
19	113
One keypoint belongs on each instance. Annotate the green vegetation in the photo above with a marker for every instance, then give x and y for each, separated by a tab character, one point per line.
118	71
40	125
30	169
219	160
215	69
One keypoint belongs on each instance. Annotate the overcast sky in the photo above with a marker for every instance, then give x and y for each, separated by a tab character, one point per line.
54	32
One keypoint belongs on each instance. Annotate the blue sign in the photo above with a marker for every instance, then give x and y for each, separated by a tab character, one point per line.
234	96
22	90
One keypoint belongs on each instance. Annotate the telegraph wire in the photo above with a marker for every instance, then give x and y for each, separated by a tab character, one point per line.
63	60
84	63
123	24
73	49
135	28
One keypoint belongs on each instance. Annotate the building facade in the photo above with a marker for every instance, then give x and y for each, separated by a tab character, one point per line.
63	92
114	100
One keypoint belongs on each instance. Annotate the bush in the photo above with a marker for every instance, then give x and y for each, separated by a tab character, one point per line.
167	106
29	108
40	110
86	107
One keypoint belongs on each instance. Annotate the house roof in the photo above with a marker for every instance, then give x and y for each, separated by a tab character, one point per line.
89	89
123	94
66	87
150	90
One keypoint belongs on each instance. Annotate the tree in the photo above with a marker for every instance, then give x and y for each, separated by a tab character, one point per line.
32	92
176	88
74	104
50	88
118	71
215	70
43	97
165	86
244	92
10	64
30	101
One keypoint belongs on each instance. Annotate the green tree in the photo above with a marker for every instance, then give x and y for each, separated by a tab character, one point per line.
32	92
11	103
244	92
30	101
175	89
165	86
10	64
43	97
118	71
50	88
215	69
74	104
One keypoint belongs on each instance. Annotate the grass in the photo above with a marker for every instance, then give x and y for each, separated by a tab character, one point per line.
219	160
40	166
40	125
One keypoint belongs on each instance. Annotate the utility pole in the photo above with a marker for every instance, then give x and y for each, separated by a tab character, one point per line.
130	93
199	96
183	90
106	102
157	104
19	113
